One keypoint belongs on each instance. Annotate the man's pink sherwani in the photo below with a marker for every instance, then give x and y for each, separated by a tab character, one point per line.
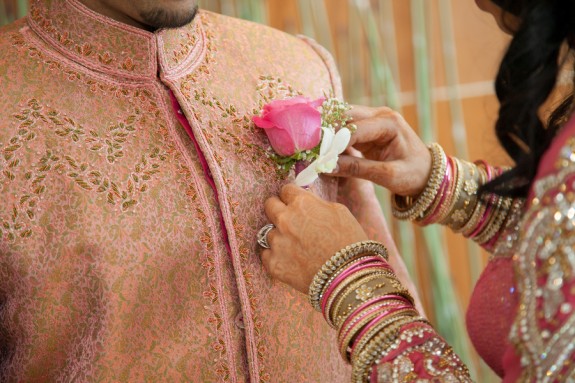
132	183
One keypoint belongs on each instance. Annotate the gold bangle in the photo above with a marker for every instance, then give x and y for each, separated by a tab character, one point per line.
348	284
466	204
388	280
395	317
377	306
453	192
336	261
408	208
345	337
495	225
456	194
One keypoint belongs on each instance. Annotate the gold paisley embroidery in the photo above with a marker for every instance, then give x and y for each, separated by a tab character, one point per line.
438	360
544	328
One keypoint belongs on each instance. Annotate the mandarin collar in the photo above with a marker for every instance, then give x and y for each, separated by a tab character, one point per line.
110	47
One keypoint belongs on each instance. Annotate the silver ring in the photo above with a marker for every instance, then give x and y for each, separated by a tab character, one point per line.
263	235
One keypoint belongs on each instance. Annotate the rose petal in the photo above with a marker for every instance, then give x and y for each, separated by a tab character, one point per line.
281	141
262	122
275	104
302	122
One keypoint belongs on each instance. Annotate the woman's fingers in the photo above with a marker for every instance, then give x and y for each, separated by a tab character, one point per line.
378	131
361	112
273	208
351	166
290	192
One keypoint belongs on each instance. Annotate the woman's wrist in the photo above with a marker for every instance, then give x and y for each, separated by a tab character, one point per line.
452	198
360	296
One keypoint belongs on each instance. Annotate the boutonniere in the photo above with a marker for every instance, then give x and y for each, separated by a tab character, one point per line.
308	135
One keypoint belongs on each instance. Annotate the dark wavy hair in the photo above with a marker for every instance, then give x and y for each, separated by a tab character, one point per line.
527	76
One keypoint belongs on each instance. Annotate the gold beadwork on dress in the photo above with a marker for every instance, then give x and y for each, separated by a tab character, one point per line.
544	328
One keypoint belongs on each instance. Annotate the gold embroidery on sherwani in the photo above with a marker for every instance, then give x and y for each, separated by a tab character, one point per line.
20	221
544	328
149	292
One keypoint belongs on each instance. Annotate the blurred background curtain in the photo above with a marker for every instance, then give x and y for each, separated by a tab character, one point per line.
433	60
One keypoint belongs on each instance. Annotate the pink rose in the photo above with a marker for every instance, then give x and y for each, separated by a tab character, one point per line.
293	125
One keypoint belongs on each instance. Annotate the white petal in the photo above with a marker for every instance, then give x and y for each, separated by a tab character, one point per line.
327	165
307	176
341	140
326	140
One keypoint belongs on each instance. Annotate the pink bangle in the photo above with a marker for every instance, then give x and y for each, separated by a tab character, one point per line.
443	192
377	300
373	323
484	218
366	305
388	311
347	271
346	274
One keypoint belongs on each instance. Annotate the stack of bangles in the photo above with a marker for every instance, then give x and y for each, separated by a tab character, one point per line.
451	198
359	294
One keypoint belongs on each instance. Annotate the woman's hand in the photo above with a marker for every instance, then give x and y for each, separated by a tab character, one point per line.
308	231
395	157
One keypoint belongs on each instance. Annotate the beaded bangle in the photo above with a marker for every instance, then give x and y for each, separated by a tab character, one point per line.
352	263
345	274
442	194
462	211
344	339
453	193
392	312
333	307
351	284
347	326
490	206
360	343
352	311
404	207
387	285
499	218
358	314
336	261
354	282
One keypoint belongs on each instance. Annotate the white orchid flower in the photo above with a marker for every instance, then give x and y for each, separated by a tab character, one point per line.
332	145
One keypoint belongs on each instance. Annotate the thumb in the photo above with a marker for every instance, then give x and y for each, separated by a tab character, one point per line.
351	166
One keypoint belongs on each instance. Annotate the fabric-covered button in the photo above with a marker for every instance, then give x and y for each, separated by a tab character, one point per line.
239	321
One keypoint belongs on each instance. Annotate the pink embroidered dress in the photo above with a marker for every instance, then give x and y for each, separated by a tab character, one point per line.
520	317
132	183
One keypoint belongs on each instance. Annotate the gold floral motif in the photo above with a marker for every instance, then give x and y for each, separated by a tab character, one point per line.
364	292
470	187
459	216
440	364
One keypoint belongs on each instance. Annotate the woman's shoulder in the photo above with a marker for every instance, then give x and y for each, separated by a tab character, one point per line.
560	157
